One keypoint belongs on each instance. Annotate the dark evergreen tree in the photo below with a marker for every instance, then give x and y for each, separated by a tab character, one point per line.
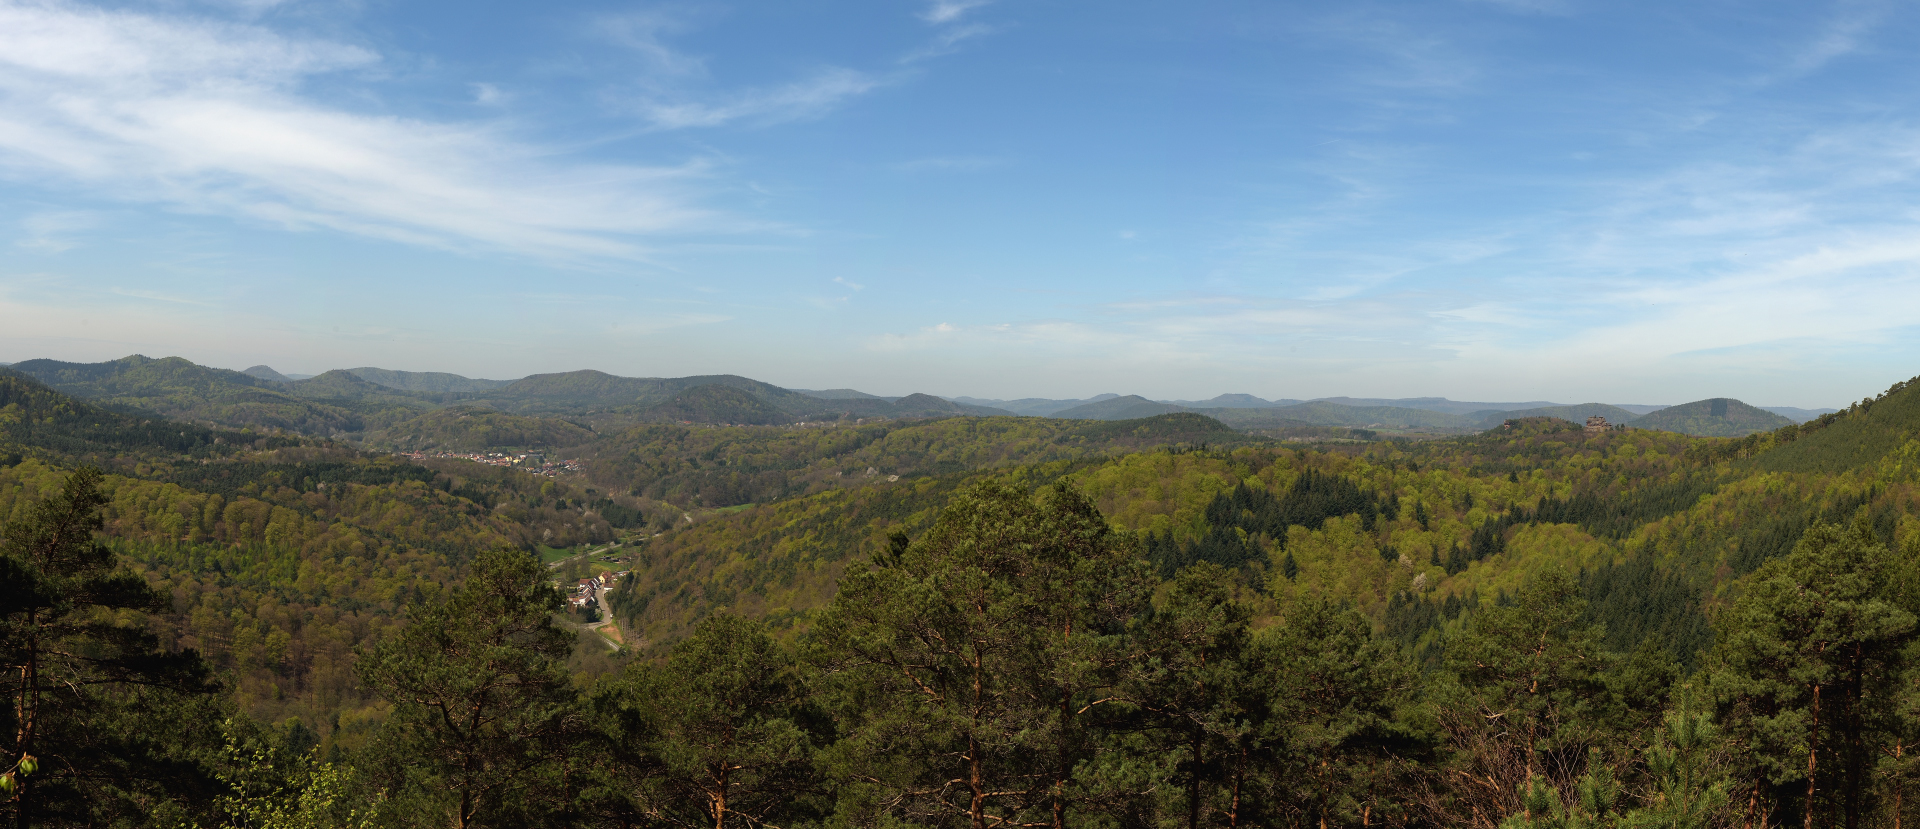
1335	717
100	724
1205	704
486	726
1523	695
725	730
975	669
1807	671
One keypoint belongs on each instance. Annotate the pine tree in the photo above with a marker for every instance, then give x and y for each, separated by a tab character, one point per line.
1205	704
1804	673
485	719
1334	712
98	718
976	667
1522	695
727	723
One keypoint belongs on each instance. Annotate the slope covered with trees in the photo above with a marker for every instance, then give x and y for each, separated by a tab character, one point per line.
1716	417
1576	414
180	390
476	429
1009	621
430	382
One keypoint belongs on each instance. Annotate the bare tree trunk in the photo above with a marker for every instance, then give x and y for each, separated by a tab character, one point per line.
1066	761
1899	782
975	783
1850	719
27	715
1193	783
1239	773
1323	793
720	797
1813	754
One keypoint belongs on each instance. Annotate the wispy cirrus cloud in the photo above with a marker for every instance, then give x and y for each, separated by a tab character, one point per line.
55	231
1409	56
1695	280
156	296
674	90
1844	34
948	11
803	99
208	116
645	33
946	163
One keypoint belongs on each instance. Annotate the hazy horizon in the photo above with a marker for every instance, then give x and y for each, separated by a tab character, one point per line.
1533	401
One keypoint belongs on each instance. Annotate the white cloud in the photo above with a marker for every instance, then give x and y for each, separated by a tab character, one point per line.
946	42
1413	57
849	283
946	163
1554	7
948	11
52	231
645	34
1841	36
156	296
809	98
206	116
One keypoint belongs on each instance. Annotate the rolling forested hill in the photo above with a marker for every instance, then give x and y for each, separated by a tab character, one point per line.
1475	516
281	554
431	382
178	389
1577	414
466	428
366	404
1716	417
1117	408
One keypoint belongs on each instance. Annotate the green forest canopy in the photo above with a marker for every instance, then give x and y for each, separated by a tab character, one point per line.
282	560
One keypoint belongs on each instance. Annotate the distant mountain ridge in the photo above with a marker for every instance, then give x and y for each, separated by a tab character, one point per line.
437	382
1118	408
1233	401
1796	414
264	372
1432	404
1031	406
177	388
1578	414
841	394
368	398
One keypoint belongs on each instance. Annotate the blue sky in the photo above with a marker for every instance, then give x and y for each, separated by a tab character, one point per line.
1560	199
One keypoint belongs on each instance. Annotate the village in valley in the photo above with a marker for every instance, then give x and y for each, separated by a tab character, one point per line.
532	462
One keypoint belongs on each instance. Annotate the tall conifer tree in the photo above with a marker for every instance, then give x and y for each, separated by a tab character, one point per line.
486	723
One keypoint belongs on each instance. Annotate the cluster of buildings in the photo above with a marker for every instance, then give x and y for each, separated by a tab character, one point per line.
1597	424
586	589
533	462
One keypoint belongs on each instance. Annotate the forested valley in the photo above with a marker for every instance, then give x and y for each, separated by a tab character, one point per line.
952	620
